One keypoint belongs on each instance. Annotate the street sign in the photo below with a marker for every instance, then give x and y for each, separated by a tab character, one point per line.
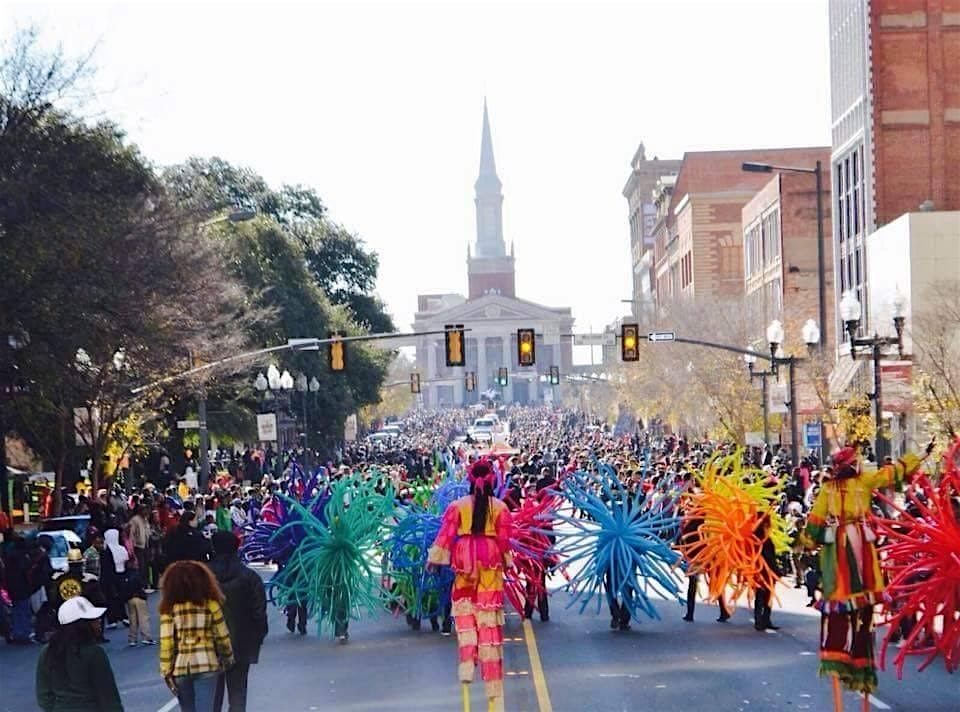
303	344
812	436
656	336
350	428
606	339
188	424
267	427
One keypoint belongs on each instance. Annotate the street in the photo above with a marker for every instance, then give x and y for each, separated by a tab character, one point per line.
659	665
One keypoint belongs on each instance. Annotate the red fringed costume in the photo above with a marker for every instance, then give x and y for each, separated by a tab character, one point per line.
479	561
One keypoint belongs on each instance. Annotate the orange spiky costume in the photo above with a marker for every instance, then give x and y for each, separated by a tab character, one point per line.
478	561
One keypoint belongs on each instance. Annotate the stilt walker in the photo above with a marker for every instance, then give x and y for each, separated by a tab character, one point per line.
474	539
852	579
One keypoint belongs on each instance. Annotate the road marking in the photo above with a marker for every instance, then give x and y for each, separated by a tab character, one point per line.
879	704
169	706
539	680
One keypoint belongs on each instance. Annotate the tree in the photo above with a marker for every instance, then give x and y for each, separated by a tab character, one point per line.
395	396
340	263
107	275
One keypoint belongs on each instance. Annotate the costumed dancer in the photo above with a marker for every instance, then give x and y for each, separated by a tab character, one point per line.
474	539
921	558
532	544
334	570
850	565
731	531
623	544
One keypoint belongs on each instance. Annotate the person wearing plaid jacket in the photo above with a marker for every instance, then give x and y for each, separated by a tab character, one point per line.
195	647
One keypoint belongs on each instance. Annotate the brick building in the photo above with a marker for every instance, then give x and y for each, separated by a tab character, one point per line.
895	106
780	253
639	191
699	233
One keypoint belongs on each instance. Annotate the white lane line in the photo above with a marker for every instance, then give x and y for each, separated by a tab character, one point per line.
169	706
879	704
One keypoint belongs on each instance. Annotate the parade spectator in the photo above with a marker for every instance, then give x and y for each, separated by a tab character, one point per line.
195	647
113	577
186	543
73	671
245	610
140	536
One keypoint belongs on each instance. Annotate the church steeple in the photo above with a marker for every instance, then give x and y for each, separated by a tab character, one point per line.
488	198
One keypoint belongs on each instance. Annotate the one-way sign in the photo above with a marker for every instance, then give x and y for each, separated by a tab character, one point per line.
656	336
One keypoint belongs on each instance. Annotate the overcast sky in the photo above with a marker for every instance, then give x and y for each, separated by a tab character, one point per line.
378	106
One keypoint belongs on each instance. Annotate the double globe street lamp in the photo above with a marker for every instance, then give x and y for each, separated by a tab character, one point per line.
851	312
275	381
775	337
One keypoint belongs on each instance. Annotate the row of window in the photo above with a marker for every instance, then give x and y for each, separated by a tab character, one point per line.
686	270
851	226
761	243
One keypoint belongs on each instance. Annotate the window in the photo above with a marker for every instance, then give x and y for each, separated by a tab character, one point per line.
771	237
851	226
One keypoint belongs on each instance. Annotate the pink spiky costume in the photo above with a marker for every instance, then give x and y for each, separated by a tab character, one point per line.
478	561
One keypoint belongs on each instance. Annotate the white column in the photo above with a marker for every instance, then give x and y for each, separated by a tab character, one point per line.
459	388
483	375
535	388
508	391
431	390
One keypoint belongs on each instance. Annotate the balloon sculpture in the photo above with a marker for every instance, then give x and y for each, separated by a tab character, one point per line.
731	499
622	544
921	558
334	570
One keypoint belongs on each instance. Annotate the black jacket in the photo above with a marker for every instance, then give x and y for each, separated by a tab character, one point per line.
245	608
187	544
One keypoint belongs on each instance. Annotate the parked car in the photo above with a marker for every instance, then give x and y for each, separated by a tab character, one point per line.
61	541
78	524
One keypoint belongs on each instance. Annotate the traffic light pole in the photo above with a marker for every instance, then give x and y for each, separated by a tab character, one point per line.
291	345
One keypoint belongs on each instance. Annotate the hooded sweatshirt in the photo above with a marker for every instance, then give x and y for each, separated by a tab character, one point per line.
111	538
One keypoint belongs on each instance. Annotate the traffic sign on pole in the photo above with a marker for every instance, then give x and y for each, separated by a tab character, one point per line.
655	336
188	424
812	436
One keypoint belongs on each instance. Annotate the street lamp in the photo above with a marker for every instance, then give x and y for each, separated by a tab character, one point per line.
304	386
851	312
8	388
811	335
751	359
817	172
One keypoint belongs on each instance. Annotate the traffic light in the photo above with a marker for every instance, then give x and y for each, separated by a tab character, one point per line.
414	382
470	381
502	376
337	353
629	344
526	347
454	342
554	375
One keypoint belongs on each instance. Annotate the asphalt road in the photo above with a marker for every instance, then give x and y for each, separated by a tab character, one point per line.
584	666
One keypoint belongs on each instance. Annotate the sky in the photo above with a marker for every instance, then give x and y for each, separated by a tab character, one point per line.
378	106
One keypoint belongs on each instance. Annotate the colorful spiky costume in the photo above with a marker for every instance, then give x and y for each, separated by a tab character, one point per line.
532	546
852	580
334	569
622	544
478	561
921	559
723	517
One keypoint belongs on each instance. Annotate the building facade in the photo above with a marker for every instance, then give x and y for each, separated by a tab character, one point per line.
492	313
699	236
895	110
640	192
780	253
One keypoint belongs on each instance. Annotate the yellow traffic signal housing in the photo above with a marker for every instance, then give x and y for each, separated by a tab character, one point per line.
470	381
453	339
414	382
526	347
629	342
337	354
554	375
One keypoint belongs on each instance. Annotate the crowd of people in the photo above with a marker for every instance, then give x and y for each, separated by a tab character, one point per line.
185	541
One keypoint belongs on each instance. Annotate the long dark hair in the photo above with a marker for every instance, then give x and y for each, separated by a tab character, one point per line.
188	582
482	490
64	643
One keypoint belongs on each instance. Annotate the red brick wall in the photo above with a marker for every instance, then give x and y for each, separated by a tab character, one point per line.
915	51
504	281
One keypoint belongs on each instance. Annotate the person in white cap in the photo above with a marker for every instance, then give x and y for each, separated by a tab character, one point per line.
73	672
